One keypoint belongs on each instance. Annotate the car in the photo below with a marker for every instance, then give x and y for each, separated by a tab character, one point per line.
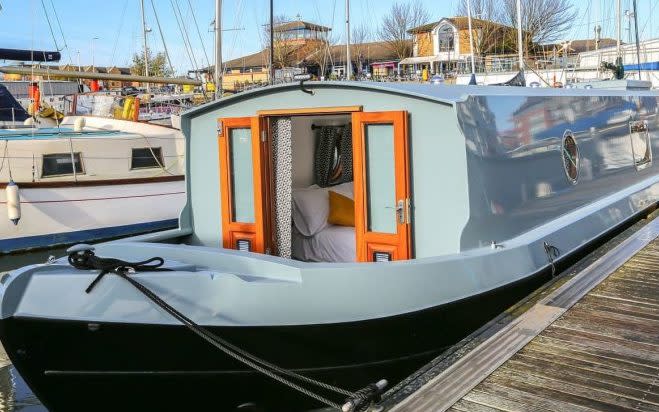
129	91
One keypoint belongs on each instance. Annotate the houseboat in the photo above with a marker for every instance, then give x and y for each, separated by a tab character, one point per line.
87	179
347	232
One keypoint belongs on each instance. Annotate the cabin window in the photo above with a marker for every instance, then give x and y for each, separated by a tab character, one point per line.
145	157
380	175
570	155
640	141
242	175
59	164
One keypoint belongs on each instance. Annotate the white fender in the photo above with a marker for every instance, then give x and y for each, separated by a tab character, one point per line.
79	124
13	202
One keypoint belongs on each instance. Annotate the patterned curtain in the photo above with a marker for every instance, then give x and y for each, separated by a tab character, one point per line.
282	161
333	156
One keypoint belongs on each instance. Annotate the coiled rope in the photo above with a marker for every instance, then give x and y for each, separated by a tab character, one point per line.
86	259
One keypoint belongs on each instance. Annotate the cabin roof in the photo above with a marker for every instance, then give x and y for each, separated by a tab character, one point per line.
446	94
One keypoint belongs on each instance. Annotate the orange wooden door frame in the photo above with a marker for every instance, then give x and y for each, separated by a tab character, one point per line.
232	232
397	245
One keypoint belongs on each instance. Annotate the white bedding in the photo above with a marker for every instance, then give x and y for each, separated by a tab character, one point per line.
332	244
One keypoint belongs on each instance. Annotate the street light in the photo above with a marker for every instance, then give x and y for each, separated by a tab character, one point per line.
92	42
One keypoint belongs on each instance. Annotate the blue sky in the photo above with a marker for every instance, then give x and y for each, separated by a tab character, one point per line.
117	24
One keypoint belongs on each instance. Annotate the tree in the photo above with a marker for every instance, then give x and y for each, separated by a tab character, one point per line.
360	35
402	17
542	20
157	65
489	35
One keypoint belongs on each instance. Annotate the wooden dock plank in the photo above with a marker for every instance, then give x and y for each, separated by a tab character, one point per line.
584	346
606	304
464	405
567	391
516	400
586	362
640	351
605	382
598	351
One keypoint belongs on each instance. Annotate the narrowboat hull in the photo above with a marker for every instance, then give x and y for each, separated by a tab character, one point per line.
76	365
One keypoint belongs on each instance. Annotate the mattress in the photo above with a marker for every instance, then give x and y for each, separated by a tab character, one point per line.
332	244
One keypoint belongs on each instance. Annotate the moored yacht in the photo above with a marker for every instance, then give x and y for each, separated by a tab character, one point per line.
87	179
345	231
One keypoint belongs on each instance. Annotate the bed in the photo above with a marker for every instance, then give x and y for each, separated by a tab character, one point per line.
313	239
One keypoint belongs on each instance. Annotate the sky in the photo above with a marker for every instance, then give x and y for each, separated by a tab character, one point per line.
108	33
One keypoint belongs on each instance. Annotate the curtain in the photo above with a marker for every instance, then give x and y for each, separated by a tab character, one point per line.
333	156
282	161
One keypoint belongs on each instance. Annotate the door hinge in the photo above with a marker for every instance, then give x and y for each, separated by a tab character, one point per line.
219	127
408	211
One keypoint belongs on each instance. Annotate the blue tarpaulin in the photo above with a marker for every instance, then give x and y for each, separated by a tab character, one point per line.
644	66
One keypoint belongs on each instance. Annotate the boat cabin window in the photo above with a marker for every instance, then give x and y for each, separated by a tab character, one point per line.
59	164
146	157
570	155
640	141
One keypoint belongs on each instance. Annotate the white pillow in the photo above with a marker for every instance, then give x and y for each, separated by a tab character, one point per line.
311	207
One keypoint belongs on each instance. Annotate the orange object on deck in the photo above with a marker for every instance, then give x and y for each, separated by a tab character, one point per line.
136	109
93	85
34	94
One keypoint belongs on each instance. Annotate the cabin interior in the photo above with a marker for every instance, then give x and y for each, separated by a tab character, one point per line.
289	187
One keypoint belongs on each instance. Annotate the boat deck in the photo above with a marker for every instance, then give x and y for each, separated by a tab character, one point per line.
590	344
53	133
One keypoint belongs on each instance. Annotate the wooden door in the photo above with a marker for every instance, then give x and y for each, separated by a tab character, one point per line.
381	183
241	184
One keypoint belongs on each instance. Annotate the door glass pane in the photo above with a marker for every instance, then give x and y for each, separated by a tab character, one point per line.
380	178
242	175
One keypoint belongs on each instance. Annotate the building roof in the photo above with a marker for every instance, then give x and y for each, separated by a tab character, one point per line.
300	25
258	59
460	22
582	45
372	51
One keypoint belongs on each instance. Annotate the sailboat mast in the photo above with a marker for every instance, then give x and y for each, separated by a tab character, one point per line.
146	50
638	43
618	27
348	62
520	44
217	75
272	43
472	81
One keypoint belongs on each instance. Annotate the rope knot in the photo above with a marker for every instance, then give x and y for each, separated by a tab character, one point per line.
86	259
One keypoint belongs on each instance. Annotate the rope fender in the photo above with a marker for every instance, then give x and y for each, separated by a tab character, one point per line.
82	257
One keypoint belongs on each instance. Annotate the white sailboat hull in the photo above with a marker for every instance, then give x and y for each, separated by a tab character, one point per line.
60	215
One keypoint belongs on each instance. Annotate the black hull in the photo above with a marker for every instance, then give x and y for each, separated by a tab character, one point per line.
74	366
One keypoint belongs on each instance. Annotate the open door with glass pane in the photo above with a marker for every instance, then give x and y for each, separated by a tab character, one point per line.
381	184
241	180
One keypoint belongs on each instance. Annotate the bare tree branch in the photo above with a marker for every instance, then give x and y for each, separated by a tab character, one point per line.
402	17
542	20
361	34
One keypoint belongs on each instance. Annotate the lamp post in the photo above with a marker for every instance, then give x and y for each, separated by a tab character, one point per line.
92	46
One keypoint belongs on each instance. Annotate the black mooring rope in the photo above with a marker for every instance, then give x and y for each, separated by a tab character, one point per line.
88	260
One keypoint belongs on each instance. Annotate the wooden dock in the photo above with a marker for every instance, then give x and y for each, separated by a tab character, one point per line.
592	344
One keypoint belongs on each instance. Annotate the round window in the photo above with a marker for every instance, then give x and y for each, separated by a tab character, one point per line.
570	154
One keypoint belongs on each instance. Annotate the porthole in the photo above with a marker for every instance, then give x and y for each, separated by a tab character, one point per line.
570	155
